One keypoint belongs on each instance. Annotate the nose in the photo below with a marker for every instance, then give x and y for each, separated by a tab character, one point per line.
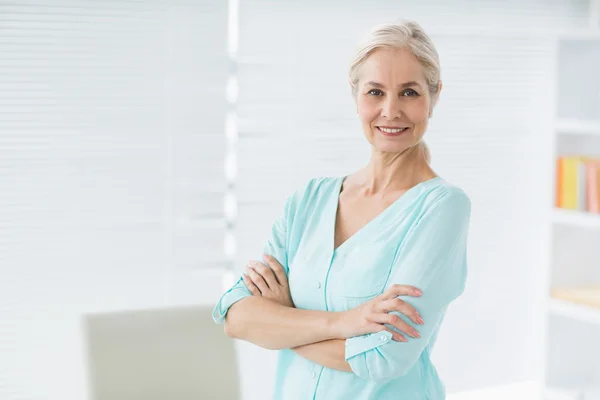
391	108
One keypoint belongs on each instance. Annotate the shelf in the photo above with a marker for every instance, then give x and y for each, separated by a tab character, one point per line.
588	295
584	392
576	218
553	393
582	34
577	127
575	311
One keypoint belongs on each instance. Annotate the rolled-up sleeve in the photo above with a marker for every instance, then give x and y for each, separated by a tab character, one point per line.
236	293
276	247
433	258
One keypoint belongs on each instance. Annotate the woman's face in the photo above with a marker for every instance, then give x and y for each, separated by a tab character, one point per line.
393	100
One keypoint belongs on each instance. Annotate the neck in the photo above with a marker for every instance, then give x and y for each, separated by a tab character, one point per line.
395	171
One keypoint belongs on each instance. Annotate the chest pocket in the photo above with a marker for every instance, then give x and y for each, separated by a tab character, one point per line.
305	278
364	271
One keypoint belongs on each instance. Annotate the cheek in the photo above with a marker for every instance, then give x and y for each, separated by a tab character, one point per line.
419	111
367	111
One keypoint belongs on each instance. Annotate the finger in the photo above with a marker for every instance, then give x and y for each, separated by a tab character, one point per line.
395	335
277	269
251	286
396	322
257	280
400	306
266	273
401	290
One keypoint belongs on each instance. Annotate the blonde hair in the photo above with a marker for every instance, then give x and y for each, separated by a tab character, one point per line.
401	35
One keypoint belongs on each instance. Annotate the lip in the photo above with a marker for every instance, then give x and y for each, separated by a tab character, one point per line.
392	127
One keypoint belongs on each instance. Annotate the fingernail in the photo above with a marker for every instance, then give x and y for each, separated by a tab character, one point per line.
403	339
418	292
416	334
420	320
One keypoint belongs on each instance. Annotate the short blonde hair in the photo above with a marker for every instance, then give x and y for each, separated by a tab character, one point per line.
401	35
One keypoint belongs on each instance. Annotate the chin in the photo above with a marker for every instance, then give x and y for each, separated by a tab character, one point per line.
389	147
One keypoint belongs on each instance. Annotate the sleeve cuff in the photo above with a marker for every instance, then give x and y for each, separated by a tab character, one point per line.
232	296
360	344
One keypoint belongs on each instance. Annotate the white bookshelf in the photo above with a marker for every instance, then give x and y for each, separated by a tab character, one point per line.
572	348
577	127
576	218
569	393
580	312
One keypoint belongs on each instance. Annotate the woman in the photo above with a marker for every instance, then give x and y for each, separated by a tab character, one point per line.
359	270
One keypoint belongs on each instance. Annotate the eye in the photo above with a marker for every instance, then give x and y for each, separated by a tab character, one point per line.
375	92
409	93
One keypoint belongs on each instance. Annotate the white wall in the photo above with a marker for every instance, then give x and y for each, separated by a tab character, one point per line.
491	135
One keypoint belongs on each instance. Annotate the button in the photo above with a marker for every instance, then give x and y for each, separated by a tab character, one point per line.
318	285
313	375
383	338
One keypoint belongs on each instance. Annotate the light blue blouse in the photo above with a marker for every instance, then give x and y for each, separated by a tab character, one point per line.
419	240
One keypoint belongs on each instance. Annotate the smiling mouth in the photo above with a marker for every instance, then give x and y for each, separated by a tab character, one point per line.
392	131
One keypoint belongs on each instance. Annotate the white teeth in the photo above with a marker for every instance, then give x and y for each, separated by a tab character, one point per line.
392	130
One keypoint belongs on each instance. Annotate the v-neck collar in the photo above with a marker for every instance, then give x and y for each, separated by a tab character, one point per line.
336	202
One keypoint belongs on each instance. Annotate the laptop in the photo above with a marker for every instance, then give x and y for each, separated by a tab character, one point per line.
160	354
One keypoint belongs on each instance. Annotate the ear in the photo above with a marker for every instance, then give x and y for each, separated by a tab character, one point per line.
352	91
436	99
354	95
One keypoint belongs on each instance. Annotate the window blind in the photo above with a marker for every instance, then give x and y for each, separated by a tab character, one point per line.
111	172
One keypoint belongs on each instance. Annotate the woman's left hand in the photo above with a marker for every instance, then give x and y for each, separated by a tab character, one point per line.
270	281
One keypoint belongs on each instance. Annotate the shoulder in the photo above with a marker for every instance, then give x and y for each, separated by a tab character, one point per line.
308	195
442	214
444	201
446	195
314	188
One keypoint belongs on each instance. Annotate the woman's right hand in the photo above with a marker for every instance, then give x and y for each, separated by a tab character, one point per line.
372	316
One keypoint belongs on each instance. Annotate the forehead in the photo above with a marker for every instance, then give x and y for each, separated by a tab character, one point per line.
391	67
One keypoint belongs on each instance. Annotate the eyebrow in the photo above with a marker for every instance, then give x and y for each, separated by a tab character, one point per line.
404	85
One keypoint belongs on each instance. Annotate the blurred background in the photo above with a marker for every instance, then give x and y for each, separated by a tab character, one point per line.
147	145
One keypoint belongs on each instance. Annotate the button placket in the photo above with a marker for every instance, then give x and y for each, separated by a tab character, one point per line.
313	382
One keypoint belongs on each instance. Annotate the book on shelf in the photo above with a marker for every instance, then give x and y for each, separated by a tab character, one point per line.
578	183
585	295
